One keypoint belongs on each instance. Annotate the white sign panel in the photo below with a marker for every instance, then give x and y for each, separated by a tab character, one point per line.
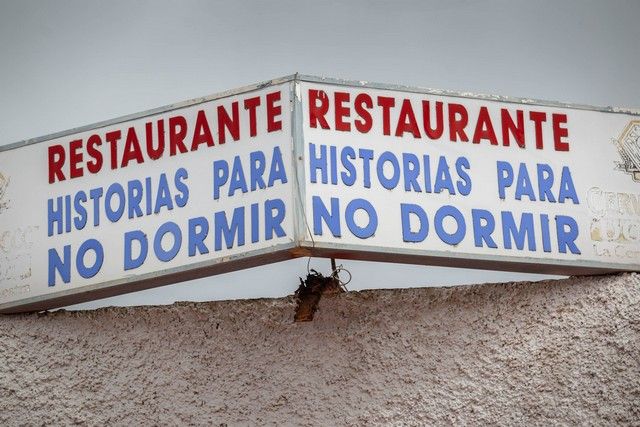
136	203
307	166
418	176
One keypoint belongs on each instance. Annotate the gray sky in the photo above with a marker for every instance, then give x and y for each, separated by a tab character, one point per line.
71	63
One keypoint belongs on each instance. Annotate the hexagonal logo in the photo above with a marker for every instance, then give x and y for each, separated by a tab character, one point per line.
629	148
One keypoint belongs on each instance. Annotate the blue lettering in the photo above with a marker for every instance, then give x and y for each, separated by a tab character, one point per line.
148	195
95	194
483	226
443	177
255	225
366	155
321	213
222	228
388	183
348	177
54	215
163	197
333	160
62	266
134	191
567	237
545	182
220	176
96	247
198	231
523	184
238	181
183	189
427	173
274	212
67	211
510	230
505	177
462	165
114	189
277	171
458	235
167	255
546	238
567	189
372	224
258	163
406	210
131	263
81	219
316	163
411	168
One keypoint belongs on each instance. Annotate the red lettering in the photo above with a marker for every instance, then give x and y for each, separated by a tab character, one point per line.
228	123
112	138
386	103
364	124
56	161
273	111
407	120
484	128
202	132
510	128
155	153
538	118
75	157
95	164
433	133
458	119
317	112
341	111
560	132
131	148
251	104
177	133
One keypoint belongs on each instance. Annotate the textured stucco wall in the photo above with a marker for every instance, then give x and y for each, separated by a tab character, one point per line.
565	352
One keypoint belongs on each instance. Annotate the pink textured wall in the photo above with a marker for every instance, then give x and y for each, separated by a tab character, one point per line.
552	352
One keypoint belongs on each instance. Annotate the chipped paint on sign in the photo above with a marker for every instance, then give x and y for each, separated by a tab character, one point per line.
4	201
16	260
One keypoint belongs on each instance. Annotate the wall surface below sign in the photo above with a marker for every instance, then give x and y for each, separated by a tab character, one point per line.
557	352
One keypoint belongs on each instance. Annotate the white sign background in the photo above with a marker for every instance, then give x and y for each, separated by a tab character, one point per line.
24	265
608	213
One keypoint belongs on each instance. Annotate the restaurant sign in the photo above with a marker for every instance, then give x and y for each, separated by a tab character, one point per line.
307	166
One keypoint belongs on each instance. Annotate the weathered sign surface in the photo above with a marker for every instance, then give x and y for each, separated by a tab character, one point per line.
308	166
395	174
186	191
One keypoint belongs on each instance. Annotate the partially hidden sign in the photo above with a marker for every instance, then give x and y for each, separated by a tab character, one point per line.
305	166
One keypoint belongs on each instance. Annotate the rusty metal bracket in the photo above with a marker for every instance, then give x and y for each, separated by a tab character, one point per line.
311	291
